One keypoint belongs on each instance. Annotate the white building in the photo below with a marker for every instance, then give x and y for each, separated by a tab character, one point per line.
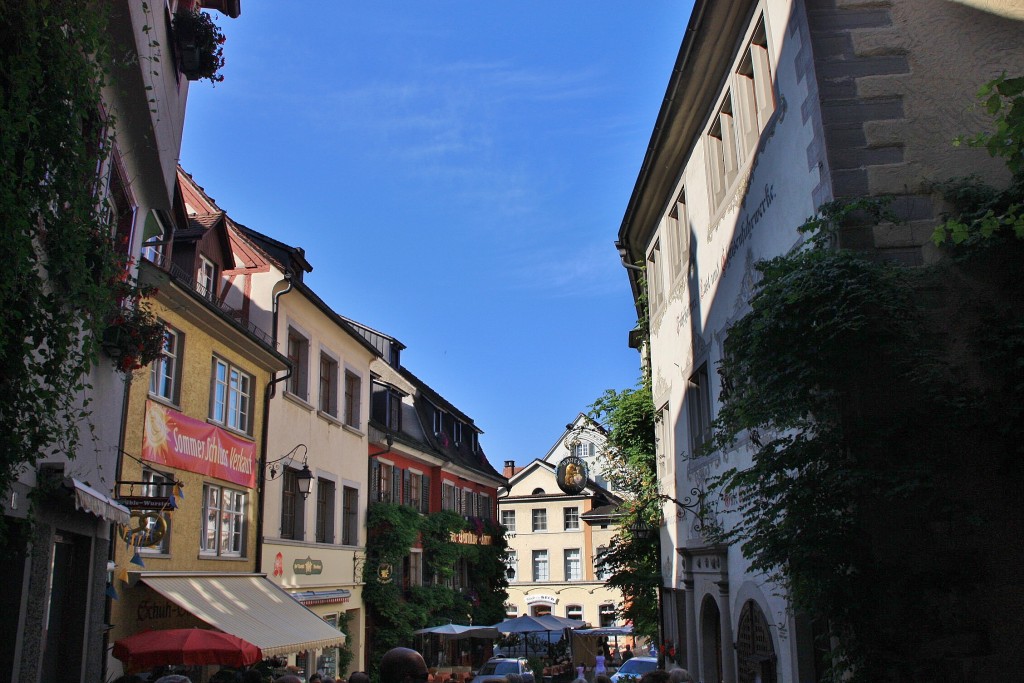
773	108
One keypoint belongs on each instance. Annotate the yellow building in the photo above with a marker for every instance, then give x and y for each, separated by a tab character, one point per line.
193	455
555	538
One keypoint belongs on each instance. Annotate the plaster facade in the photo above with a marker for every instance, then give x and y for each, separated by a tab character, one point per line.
774	108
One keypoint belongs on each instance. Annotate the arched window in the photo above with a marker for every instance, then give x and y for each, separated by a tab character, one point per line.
538	492
755	653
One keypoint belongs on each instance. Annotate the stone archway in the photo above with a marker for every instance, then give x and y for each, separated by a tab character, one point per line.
755	653
711	641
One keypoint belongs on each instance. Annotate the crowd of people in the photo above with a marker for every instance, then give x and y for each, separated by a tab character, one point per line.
404	665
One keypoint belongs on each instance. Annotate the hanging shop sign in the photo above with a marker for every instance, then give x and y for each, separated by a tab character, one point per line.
175	440
572	475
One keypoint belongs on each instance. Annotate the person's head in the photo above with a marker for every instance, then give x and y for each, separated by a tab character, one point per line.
402	665
679	675
359	677
655	676
315	678
628	647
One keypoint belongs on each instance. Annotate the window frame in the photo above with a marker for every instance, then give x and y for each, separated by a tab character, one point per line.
571	513
156	483
326	497
541	561
206	278
293	506
170	381
538	520
327	394
298	353
512	565
698	400
353	398
349	515
221	411
512	515
235	517
572	564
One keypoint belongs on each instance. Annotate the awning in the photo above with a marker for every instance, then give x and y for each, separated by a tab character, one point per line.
92	501
322	597
248	606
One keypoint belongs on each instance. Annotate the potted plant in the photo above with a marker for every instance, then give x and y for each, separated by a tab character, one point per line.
200	45
134	338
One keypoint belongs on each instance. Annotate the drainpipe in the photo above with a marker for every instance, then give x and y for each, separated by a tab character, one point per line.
268	394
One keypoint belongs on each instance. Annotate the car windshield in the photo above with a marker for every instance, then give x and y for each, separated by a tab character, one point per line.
637	666
509	667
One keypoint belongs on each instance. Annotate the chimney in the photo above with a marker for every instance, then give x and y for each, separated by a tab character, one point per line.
510	469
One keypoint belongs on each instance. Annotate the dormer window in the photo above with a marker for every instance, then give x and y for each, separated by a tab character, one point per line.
438	421
457	432
206	279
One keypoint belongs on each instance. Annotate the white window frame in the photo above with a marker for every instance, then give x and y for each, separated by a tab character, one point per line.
573	564
206	278
541	566
224	517
506	516
571	514
231	400
157	484
538	520
655	278
164	371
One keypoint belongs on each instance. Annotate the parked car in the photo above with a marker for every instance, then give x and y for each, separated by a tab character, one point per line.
633	669
497	667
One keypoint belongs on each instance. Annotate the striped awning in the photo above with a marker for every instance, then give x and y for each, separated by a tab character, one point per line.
248	606
330	597
88	499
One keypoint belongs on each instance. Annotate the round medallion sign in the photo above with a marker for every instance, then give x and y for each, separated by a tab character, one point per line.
572	474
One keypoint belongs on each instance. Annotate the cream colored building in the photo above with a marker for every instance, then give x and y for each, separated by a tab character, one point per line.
555	538
775	107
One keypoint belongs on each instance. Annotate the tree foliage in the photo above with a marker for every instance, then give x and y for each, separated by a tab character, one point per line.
632	561
63	273
882	409
396	610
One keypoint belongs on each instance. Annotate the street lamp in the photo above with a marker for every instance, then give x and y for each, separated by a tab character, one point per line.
304	477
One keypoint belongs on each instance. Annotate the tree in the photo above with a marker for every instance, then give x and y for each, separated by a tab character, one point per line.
883	407
633	561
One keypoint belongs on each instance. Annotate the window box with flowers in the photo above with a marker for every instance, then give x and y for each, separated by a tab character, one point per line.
200	45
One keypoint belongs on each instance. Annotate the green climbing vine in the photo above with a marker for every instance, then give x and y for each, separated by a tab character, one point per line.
881	407
64	274
397	610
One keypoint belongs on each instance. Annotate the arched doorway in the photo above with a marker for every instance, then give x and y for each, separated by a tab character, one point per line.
711	641
755	653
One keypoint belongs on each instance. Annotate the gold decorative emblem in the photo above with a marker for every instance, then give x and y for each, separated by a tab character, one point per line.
384	572
150	528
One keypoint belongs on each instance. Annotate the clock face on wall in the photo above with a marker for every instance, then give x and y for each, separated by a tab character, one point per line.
572	475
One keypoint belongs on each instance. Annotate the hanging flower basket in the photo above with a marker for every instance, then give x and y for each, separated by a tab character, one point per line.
133	339
200	45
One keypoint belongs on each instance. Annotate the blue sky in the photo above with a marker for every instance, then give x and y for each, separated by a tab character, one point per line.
457	173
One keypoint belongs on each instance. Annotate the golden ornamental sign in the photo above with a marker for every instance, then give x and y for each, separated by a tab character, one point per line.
572	475
384	573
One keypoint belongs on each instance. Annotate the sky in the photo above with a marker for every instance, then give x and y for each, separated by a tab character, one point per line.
457	173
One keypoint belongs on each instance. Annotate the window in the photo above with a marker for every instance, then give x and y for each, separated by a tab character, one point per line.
602	572
457	433
412	569
158	485
231	404
298	354
163	373
754	94
293	506
415	489
387	406
328	385
679	228
698	399
508	520
447	496
324	511
511	566
606	614
349	516
387	488
583	449
574	612
540	565
353	390
484	502
540	520
438	421
223	521
722	160
571	518
573	569
206	278
511	611
655	286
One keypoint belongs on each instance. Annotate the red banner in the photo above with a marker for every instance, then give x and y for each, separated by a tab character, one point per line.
175	440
